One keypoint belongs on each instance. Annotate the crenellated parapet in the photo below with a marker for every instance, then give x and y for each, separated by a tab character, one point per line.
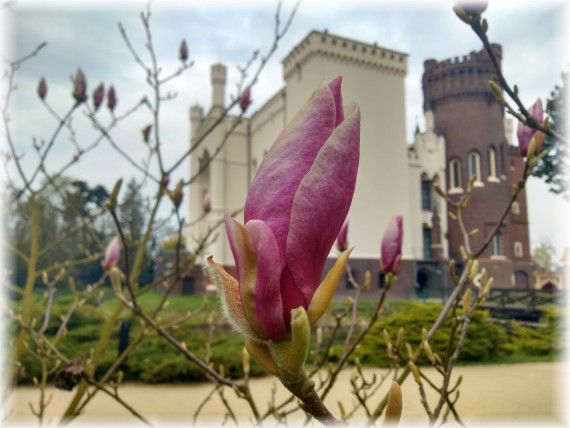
345	50
465	76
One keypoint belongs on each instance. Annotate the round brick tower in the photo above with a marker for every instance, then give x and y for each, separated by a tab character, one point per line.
472	122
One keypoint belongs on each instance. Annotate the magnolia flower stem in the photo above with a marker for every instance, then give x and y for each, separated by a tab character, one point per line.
444	392
529	120
312	403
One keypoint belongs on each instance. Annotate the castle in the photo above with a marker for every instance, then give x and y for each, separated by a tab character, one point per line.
466	134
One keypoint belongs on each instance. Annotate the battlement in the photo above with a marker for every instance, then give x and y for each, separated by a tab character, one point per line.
473	59
466	76
341	48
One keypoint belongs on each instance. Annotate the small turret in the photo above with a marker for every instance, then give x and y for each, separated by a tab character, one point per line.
218	75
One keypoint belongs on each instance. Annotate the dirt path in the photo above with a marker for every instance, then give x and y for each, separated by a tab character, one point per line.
497	394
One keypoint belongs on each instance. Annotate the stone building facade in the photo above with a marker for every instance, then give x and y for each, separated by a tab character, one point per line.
478	144
395	178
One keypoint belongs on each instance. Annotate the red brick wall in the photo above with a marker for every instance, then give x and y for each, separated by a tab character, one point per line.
470	119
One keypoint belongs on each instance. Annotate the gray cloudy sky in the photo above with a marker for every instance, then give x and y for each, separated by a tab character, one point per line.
532	34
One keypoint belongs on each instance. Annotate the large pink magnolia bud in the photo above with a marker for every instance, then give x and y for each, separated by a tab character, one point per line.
525	133
111	98
112	254
79	86
342	238
391	250
98	95
295	207
42	88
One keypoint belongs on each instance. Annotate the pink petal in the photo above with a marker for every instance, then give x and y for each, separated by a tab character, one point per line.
272	191
268	306
334	86
245	258
322	202
291	296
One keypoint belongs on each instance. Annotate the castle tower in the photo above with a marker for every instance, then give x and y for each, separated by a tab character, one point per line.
218	76
472	123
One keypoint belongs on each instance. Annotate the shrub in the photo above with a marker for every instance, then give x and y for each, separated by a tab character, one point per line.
484	339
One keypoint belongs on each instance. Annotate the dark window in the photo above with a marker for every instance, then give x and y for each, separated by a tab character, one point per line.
426	195
427	243
381	280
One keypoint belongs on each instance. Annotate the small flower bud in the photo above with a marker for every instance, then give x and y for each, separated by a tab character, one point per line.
415	371
112	202
245	99
386	336
497	91
111	98
112	254
409	350
183	51
394	406
400	339
474	270
367	279
428	351
42	88
146	133
472	7
467	301
177	194
207	203
463	252
391	248
451	271
79	86
165	181
98	95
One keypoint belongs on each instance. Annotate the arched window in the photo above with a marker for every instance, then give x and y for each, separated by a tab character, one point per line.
492	161
497	245
454	174
474	166
518	249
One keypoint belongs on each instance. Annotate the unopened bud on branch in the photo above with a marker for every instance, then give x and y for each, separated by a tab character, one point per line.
79	86
98	95
245	99
183	51
394	406
146	133
111	98
42	88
